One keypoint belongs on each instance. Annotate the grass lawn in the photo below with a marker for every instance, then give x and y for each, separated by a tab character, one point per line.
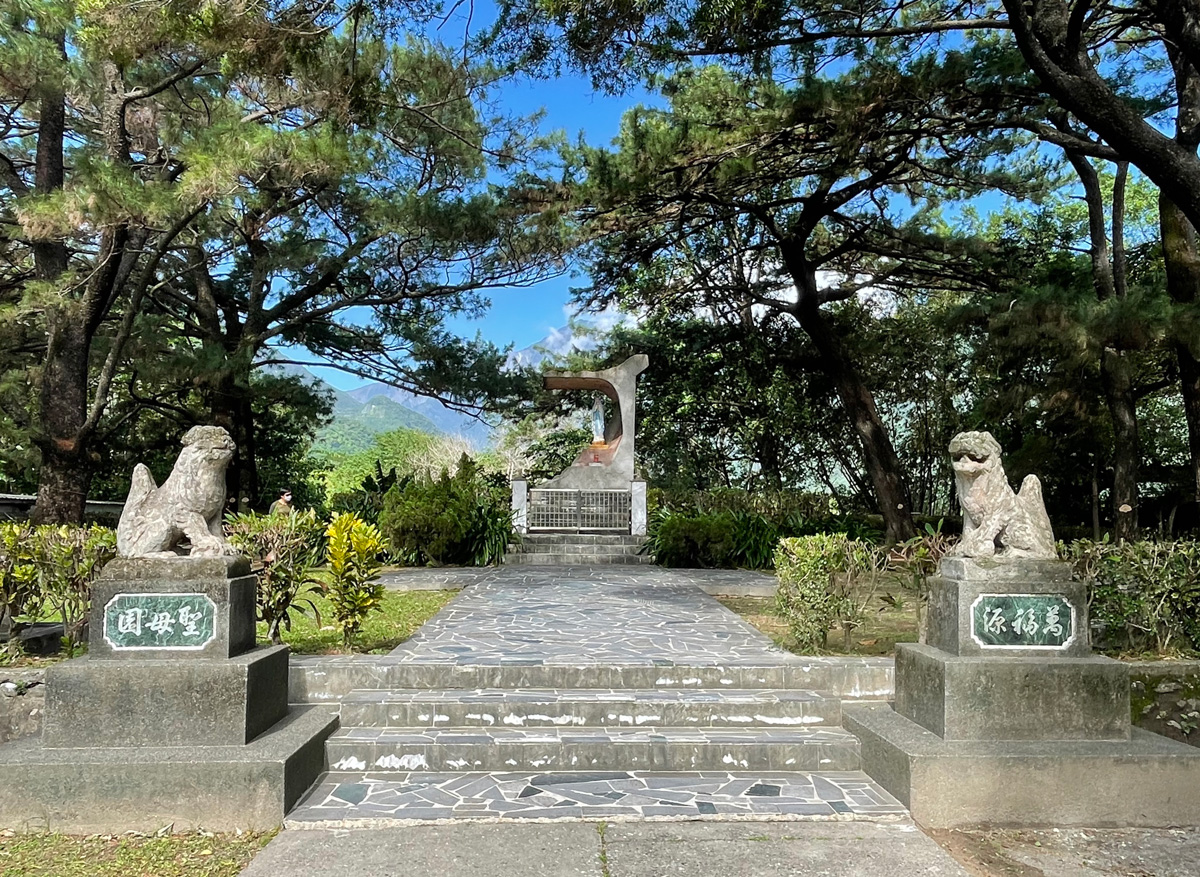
402	613
883	628
182	855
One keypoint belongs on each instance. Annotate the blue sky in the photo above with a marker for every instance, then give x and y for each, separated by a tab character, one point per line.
522	317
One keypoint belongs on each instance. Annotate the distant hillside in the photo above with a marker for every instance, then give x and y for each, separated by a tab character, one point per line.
442	419
356	421
355	424
364	412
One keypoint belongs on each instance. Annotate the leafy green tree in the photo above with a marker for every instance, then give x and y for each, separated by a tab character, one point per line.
795	188
251	173
1129	72
102	186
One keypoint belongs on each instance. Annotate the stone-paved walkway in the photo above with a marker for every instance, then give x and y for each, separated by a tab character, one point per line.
388	798
588	615
735	582
650	704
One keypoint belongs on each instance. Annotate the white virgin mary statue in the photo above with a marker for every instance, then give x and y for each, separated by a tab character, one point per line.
598	421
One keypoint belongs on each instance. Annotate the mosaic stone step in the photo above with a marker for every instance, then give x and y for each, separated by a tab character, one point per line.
324	679
359	799
556	559
590	708
659	749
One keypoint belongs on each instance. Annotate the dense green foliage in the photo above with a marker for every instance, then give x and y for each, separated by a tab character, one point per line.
1142	596
464	518
730	529
47	572
407	451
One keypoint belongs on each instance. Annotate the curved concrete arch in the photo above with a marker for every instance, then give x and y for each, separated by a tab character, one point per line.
611	466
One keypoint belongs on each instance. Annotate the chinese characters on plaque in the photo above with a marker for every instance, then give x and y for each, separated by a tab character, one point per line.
1022	621
160	621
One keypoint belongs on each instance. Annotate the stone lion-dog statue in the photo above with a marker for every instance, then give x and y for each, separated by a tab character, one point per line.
188	505
997	521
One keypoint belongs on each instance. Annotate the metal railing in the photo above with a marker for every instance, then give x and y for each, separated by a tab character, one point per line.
574	511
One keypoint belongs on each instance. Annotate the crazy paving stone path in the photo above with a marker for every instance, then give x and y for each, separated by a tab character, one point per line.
543	693
589	615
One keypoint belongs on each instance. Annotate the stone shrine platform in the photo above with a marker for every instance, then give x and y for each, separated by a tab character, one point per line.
1007	718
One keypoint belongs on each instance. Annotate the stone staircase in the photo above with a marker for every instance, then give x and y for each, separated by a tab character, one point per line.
590	752
576	549
541	730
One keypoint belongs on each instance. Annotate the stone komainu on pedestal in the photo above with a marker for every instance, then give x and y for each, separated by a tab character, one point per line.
188	505
1004	716
175	716
996	520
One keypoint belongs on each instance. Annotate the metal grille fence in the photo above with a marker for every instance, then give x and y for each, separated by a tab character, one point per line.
578	510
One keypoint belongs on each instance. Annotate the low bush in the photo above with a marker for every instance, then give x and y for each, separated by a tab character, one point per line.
828	580
18	581
1142	596
47	573
806	566
734	539
464	518
288	548
352	554
700	541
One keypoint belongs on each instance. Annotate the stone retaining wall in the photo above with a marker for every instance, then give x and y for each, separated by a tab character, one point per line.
21	710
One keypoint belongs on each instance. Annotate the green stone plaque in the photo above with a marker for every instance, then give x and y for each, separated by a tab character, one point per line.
1022	621
180	622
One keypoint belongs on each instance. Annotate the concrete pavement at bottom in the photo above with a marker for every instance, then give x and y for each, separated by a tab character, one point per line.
633	849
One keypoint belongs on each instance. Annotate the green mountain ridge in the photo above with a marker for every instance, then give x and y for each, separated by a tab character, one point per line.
355	424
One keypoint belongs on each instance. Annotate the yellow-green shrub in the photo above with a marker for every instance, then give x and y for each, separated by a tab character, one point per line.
352	553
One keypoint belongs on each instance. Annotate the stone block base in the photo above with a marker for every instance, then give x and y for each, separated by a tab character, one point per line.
159	702
220	788
1005	698
1147	781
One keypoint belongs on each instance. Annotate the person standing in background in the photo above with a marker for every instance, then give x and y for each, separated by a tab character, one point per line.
283	505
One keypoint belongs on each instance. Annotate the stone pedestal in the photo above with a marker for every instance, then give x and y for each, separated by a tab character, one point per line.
1006	716
173	716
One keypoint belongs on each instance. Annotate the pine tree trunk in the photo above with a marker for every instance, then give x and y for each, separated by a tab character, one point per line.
1116	378
230	407
1181	254
1122	408
1182	260
883	464
65	473
1189	377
